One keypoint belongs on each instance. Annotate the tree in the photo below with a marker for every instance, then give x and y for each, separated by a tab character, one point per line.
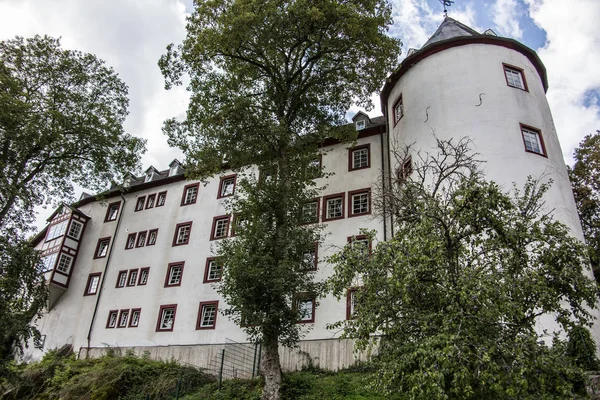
585	181
455	295
61	121
270	80
23	295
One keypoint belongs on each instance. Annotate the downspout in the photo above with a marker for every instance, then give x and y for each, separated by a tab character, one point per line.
112	246
383	183
389	166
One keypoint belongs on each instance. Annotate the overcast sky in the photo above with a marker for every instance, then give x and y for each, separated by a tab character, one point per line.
131	35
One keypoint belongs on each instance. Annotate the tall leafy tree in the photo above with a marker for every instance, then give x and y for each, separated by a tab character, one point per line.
585	181
452	300
61	121
269	81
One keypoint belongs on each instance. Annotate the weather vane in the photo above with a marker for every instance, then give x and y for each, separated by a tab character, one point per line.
446	3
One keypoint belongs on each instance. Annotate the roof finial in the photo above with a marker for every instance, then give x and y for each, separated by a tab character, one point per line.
446	3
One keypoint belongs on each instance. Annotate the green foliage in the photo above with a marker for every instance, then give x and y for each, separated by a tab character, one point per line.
61	116
456	293
582	348
23	295
62	376
585	181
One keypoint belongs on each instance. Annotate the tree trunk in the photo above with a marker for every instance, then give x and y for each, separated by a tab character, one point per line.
271	369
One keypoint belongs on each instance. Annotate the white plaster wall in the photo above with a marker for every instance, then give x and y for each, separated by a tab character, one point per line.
70	318
441	95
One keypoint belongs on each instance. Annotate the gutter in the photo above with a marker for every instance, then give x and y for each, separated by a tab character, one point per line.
89	336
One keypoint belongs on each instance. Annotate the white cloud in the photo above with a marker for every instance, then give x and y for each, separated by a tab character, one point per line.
505	14
572	57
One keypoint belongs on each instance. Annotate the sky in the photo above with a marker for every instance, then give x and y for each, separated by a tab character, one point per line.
131	35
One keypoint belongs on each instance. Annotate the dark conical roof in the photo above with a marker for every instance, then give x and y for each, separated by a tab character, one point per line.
450	28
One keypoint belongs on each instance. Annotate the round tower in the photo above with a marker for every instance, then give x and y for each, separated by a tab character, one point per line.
491	89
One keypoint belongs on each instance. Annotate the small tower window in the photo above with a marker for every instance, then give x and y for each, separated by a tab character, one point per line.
533	141
398	110
515	77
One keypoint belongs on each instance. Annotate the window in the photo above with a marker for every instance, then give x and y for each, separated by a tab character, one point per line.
310	259
166	318
405	170
111	322
162	197
64	263
213	270
333	207
220	227
92	284
102	247
226	186
123	318
139	205
151	201
310	212
351	303
398	110
360	124
152	235
133	275
190	194
121	279
207	315
134	321
49	261
515	77
306	309
141	239
359	157
57	230
174	274
266	175
359	202
239	223
182	234
75	230
532	138
314	167
130	244
362	241
112	211
144	273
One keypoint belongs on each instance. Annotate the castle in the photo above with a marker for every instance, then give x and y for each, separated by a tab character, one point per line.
136	270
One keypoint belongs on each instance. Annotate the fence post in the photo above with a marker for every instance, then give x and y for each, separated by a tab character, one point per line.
178	387
221	368
259	351
254	361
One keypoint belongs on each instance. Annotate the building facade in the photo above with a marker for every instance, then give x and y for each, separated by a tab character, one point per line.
137	269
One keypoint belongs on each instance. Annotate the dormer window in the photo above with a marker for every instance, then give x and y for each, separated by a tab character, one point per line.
360	124
148	177
173	170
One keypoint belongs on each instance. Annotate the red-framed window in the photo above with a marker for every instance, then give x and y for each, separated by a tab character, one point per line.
405	170
112	211
207	315
226	186
161	199
130	243
213	270
182	233
220	227
144	275
305	305
166	318
102	247
315	167
121	279
239	222
111	321
515	77
351	302
190	194
310	211
398	109
361	240
152	236
139	203
133	276
151	201
359	202
141	239
359	157
333	206
533	140
123	318
174	274
93	284
134	319
310	258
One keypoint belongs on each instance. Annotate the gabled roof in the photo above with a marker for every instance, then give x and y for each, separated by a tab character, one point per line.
450	28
